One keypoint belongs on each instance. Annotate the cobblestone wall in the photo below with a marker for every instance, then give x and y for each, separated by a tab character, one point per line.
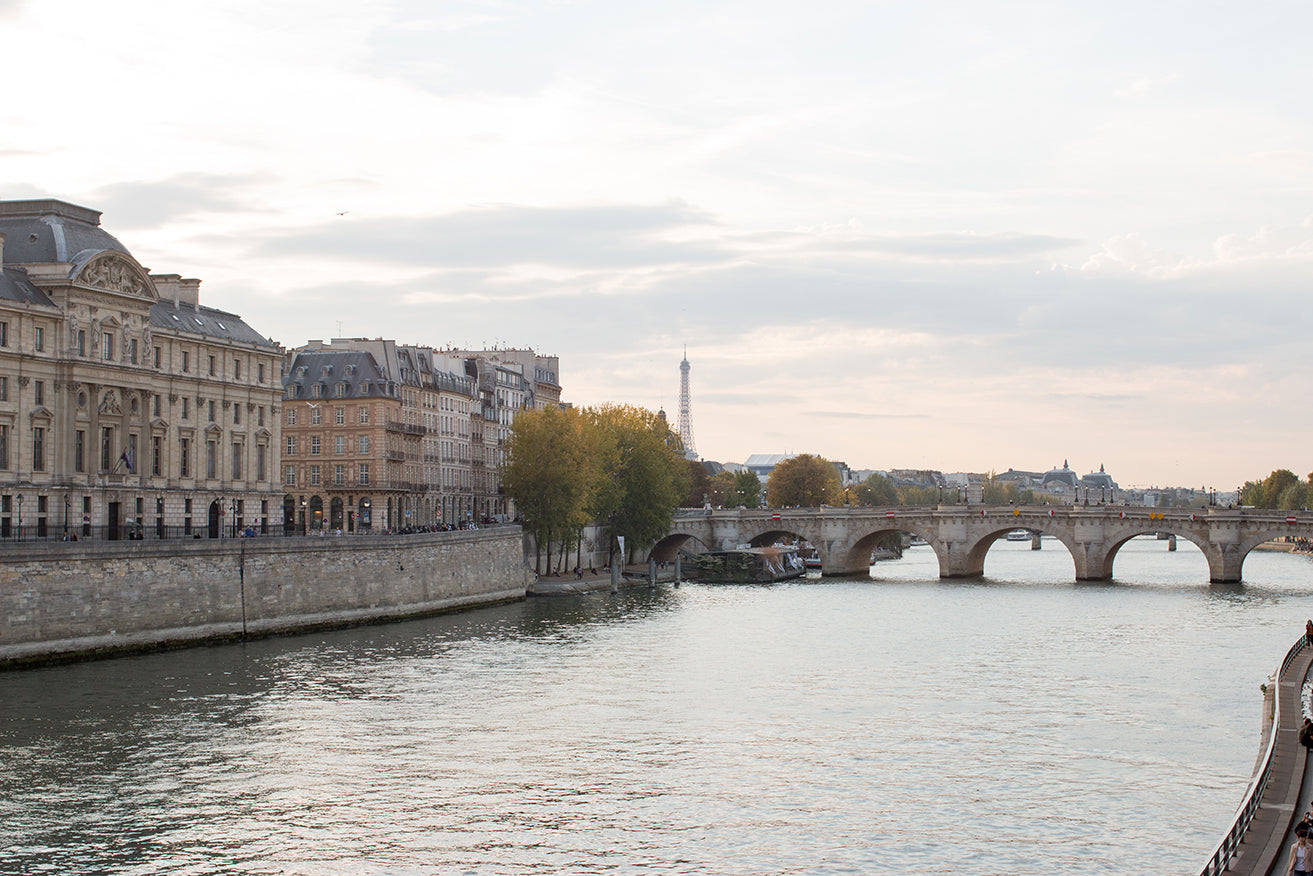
80	599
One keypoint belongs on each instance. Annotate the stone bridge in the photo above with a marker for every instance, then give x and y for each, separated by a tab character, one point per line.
961	535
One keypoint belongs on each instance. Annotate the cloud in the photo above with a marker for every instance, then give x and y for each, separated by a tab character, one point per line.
158	203
963	246
587	237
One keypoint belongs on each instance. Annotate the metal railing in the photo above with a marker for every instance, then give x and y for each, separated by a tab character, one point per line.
38	534
1230	844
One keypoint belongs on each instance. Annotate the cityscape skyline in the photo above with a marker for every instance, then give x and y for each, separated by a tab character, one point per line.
937	237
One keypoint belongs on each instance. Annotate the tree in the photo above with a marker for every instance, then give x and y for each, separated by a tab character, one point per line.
549	473
642	473
699	486
747	490
805	480
876	491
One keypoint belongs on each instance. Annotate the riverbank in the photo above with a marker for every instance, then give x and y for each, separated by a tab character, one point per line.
634	575
73	601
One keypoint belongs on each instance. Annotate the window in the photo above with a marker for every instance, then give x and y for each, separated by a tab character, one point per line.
186	361
364	444
155	405
237	414
364	413
339	444
316	390
132	351
156	454
314	475
237	460
211	459
109	346
259	413
4	389
314	445
157	357
4	334
291	445
315	417
184	460
341	390
260	372
4	446
80	451
291	416
211	409
289	476
39	338
363	479
339	416
39	392
185	407
211	366
106	448
339	475
259	461
132	453
38	449
237	369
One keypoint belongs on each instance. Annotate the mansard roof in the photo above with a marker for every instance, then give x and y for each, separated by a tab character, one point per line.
16	287
48	231
206	321
356	369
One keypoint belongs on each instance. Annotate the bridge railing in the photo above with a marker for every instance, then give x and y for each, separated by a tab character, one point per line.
1230	843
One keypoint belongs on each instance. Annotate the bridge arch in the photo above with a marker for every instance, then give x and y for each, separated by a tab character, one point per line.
855	559
1102	560
973	565
668	548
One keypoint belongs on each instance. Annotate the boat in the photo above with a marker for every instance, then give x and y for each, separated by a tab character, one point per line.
1019	535
749	566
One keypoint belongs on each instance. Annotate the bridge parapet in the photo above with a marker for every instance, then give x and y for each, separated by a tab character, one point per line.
961	535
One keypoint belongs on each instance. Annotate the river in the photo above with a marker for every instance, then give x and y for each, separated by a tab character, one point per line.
1019	724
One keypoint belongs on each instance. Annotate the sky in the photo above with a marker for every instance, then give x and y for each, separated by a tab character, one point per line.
953	235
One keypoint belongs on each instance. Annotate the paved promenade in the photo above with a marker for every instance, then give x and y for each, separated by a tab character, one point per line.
1265	847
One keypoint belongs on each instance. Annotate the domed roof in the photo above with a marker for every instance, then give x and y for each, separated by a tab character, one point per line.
1099	479
1062	475
50	231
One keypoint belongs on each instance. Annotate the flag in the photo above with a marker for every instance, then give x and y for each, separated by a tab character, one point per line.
126	460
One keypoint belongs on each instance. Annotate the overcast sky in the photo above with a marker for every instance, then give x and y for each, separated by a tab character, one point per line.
952	235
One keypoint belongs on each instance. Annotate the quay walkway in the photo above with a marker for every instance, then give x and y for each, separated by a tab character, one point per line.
1258	842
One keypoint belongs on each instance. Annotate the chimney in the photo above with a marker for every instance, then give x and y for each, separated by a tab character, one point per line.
2	250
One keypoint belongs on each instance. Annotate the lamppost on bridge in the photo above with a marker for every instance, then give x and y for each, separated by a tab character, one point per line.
20	516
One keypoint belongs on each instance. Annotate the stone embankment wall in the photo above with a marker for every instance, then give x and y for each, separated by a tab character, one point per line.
86	598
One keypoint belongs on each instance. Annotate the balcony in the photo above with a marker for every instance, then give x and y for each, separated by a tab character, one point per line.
405	428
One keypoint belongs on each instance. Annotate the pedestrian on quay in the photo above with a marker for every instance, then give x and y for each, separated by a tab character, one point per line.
1301	854
1308	631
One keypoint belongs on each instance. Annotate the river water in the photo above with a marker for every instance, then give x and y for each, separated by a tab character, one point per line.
1018	724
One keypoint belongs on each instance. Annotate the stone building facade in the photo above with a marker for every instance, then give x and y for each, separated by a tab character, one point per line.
127	408
445	414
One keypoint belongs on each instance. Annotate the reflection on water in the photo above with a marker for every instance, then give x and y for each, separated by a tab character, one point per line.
823	726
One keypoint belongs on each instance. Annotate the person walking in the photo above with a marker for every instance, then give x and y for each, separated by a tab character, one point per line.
1301	854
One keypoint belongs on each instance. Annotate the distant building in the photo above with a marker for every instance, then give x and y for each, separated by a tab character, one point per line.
762	464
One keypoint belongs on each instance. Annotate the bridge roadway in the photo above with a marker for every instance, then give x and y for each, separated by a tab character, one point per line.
961	535
1259	840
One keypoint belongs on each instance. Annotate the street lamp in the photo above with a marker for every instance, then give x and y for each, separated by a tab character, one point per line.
303	521
20	516
233	508
367	521
66	516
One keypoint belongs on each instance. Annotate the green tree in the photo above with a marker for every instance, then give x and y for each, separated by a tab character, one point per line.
876	491
642	474
549	474
806	480
699	485
747	490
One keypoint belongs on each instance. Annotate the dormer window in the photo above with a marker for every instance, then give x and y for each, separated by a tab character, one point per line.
316	390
